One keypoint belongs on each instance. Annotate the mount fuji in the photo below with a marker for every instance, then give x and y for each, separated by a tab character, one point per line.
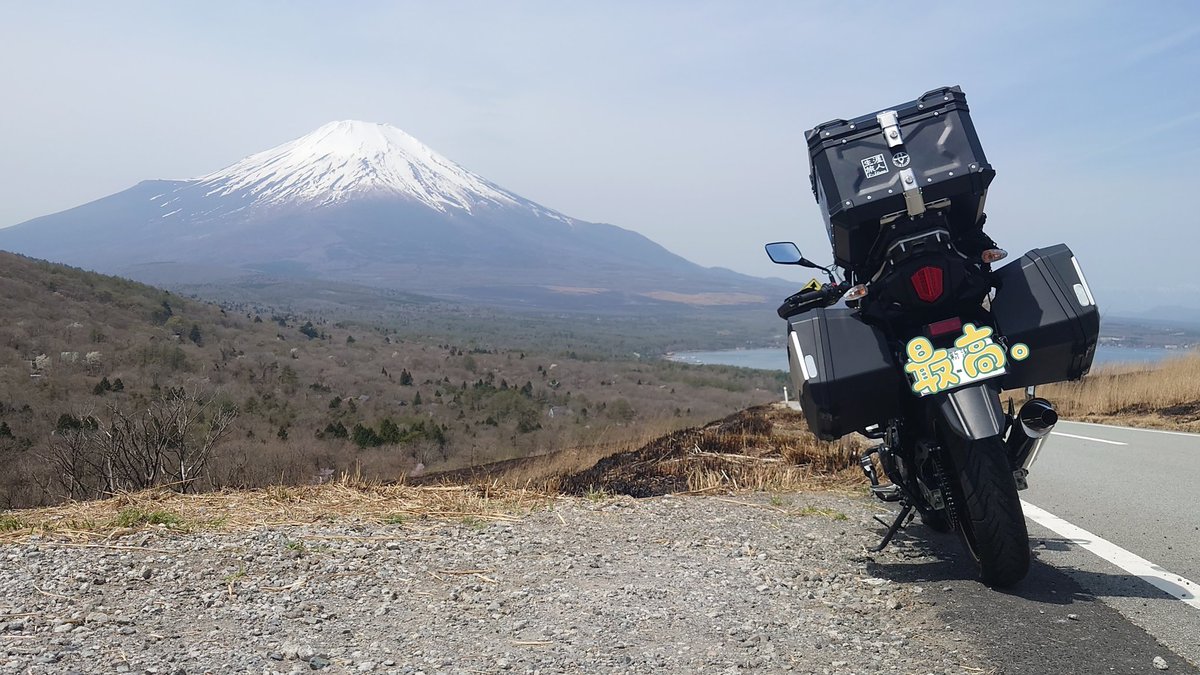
369	204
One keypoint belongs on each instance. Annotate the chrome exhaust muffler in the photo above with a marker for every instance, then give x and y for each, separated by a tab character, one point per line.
1032	425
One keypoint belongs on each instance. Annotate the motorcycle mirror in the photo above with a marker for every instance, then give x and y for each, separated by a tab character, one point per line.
787	253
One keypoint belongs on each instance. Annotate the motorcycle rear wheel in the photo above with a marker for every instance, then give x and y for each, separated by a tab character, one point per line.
991	523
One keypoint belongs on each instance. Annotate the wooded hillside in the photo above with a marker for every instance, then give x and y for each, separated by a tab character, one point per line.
109	385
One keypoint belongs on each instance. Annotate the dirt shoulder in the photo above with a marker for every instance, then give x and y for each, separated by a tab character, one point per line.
667	584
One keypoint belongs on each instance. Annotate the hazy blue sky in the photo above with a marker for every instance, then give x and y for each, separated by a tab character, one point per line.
683	121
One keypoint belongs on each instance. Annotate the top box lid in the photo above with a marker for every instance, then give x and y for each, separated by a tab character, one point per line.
933	101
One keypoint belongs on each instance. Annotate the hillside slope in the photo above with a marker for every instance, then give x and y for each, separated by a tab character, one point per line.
85	356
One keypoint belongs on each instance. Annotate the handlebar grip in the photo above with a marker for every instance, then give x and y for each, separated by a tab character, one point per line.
797	302
806	299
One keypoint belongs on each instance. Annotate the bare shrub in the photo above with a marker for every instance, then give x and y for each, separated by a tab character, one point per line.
167	441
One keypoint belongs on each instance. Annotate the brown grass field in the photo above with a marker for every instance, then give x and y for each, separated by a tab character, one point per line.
1163	396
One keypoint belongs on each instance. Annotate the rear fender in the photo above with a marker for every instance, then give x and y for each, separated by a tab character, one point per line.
973	413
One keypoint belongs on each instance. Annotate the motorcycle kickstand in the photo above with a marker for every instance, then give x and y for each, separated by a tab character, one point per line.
906	513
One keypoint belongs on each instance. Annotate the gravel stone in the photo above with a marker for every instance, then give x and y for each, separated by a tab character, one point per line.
659	585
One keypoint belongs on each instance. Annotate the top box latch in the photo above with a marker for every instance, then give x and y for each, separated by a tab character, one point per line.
889	120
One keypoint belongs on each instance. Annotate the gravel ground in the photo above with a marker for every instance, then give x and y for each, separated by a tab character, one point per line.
670	584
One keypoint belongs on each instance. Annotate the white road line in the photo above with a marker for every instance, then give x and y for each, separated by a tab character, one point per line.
1171	584
1151	431
1087	438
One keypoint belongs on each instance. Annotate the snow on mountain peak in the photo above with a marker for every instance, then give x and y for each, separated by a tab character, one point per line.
345	158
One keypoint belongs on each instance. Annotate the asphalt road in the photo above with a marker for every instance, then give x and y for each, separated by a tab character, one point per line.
1050	623
1143	496
1135	488
1128	497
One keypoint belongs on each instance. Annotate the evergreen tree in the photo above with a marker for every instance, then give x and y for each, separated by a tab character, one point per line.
365	437
527	421
163	313
194	334
389	433
102	387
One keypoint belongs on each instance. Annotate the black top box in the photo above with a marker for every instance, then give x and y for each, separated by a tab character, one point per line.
876	172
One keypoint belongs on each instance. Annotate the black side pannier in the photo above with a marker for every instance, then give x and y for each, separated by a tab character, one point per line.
871	170
843	371
1043	301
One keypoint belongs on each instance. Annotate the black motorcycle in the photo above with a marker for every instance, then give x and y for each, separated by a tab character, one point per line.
914	341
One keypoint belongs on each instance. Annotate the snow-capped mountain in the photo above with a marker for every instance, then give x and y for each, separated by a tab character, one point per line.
338	163
348	159
364	203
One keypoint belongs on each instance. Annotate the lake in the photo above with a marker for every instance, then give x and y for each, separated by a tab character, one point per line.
776	358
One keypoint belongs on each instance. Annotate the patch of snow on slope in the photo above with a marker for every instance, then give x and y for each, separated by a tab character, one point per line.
345	158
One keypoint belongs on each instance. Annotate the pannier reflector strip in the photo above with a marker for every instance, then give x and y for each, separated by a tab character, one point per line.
927	282
800	357
1091	300
1081	295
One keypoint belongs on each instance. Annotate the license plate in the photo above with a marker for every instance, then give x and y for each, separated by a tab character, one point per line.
974	357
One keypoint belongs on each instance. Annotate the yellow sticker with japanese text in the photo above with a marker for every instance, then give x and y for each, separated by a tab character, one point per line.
975	356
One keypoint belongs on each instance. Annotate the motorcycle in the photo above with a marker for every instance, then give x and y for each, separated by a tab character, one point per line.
914	336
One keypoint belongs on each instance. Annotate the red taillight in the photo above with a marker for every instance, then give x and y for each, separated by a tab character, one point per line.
927	282
945	326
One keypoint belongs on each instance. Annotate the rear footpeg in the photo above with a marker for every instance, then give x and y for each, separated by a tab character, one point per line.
868	466
887	493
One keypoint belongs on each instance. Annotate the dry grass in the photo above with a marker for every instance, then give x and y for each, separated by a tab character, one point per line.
542	472
761	449
765	448
345	499
1165	395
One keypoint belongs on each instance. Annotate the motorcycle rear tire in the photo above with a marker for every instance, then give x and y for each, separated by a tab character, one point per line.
991	523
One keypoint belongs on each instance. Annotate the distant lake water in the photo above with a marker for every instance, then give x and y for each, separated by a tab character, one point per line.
776	358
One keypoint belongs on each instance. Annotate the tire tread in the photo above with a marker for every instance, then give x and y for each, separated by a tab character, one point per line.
992	523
